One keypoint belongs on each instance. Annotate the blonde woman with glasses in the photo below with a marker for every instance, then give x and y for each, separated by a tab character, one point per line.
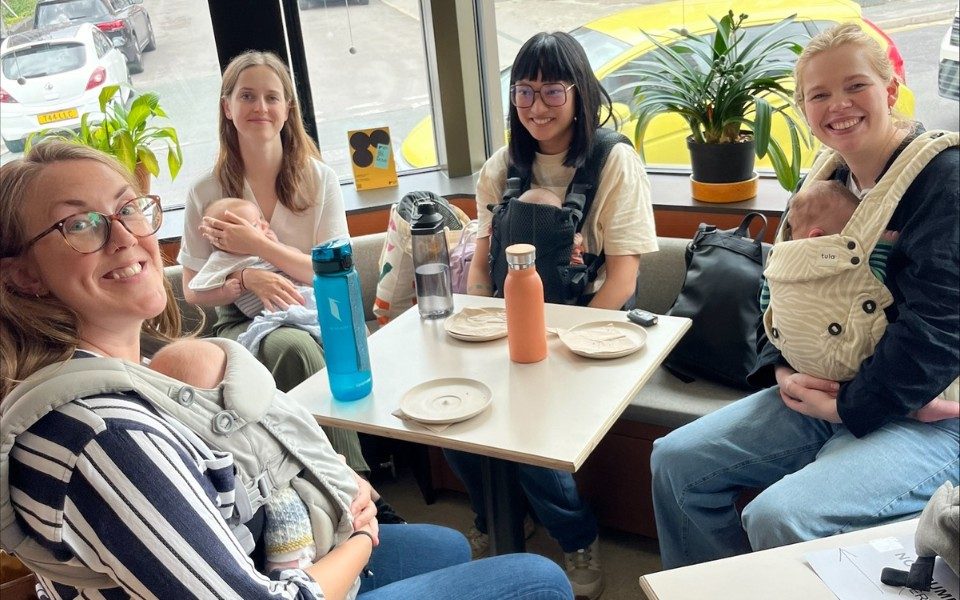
103	494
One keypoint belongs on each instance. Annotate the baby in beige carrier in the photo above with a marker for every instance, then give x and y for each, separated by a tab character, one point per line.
824	279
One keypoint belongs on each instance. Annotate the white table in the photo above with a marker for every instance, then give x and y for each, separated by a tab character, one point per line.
550	414
780	573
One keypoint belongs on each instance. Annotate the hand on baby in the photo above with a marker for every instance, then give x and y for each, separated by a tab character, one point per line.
937	409
364	508
234	234
808	395
274	290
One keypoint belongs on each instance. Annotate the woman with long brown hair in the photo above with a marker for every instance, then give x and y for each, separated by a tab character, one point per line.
267	158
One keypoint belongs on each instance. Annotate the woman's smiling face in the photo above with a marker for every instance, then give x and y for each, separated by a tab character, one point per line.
846	103
551	126
115	288
257	105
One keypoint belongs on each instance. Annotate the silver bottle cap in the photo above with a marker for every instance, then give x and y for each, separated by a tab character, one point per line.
521	256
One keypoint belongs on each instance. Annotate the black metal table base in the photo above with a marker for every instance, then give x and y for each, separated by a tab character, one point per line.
505	505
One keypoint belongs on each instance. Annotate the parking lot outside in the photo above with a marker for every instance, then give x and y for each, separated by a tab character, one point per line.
384	80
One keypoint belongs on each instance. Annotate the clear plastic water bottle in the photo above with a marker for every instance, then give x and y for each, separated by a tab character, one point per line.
340	314
431	263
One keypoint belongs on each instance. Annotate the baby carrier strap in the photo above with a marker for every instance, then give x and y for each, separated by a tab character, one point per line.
583	187
516	222
898	177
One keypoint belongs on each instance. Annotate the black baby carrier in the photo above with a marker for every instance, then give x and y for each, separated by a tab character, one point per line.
551	229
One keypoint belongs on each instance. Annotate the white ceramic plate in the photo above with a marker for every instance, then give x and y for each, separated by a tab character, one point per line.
477	324
447	400
604	339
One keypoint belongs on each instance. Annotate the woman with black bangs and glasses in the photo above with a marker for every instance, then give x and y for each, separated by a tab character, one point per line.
556	108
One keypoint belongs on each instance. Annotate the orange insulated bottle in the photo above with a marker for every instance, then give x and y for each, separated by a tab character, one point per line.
523	296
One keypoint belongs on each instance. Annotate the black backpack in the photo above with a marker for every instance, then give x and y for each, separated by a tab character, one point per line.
551	229
721	294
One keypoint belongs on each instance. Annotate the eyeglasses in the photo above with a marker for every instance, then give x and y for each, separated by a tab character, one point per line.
552	94
88	232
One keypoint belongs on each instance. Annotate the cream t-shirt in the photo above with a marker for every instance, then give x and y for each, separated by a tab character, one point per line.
620	220
323	221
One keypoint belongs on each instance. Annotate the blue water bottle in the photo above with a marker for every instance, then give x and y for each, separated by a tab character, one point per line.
340	314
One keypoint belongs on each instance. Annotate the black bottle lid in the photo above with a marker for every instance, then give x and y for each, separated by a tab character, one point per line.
429	221
334	256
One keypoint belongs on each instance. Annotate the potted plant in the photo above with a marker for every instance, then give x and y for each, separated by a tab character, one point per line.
126	133
728	90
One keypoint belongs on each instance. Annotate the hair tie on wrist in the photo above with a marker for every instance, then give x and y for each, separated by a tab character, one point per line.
243	287
366	572
361	532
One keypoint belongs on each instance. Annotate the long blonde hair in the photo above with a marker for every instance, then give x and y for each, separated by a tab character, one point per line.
298	147
36	331
836	36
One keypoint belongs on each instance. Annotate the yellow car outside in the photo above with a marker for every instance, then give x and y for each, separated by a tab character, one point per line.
616	46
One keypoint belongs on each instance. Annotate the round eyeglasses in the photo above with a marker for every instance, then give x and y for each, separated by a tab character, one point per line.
552	94
88	232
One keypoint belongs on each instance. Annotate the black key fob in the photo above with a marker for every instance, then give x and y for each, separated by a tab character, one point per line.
642	317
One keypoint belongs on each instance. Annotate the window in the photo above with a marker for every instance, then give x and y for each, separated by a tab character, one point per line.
44	60
358	83
619	52
68	11
184	71
101	43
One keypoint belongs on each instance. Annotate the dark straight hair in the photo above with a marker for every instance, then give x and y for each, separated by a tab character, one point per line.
558	57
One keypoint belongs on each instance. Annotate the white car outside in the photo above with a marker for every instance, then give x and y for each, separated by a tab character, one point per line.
50	78
949	72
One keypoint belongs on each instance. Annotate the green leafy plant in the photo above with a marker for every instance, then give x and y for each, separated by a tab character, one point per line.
722	85
124	132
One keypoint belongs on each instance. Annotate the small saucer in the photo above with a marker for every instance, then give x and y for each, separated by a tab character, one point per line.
446	400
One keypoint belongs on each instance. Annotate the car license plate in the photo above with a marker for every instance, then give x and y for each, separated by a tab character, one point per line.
60	115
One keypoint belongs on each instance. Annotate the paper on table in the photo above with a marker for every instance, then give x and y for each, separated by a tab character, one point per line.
601	339
436	428
853	572
478	322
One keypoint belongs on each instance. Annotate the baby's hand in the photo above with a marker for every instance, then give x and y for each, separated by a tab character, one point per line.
889	236
232	287
270	235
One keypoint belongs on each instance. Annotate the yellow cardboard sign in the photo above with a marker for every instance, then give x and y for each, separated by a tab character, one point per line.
371	156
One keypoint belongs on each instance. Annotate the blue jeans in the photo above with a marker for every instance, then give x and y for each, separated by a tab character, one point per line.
552	495
428	561
817	478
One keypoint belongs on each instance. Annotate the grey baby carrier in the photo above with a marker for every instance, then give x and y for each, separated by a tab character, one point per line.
274	443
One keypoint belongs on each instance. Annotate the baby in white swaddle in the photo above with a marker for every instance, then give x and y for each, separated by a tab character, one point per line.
220	264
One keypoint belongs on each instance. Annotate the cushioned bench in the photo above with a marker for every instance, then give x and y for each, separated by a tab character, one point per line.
621	461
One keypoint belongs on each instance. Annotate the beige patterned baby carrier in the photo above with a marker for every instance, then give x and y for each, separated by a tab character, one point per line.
826	312
274	443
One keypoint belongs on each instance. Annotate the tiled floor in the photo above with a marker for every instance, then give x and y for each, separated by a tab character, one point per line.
625	556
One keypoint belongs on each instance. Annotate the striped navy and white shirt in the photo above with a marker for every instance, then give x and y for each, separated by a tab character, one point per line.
109	483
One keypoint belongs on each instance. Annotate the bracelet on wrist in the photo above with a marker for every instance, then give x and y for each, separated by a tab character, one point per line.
243	286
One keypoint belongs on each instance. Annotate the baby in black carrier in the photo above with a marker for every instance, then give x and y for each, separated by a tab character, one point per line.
548	198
